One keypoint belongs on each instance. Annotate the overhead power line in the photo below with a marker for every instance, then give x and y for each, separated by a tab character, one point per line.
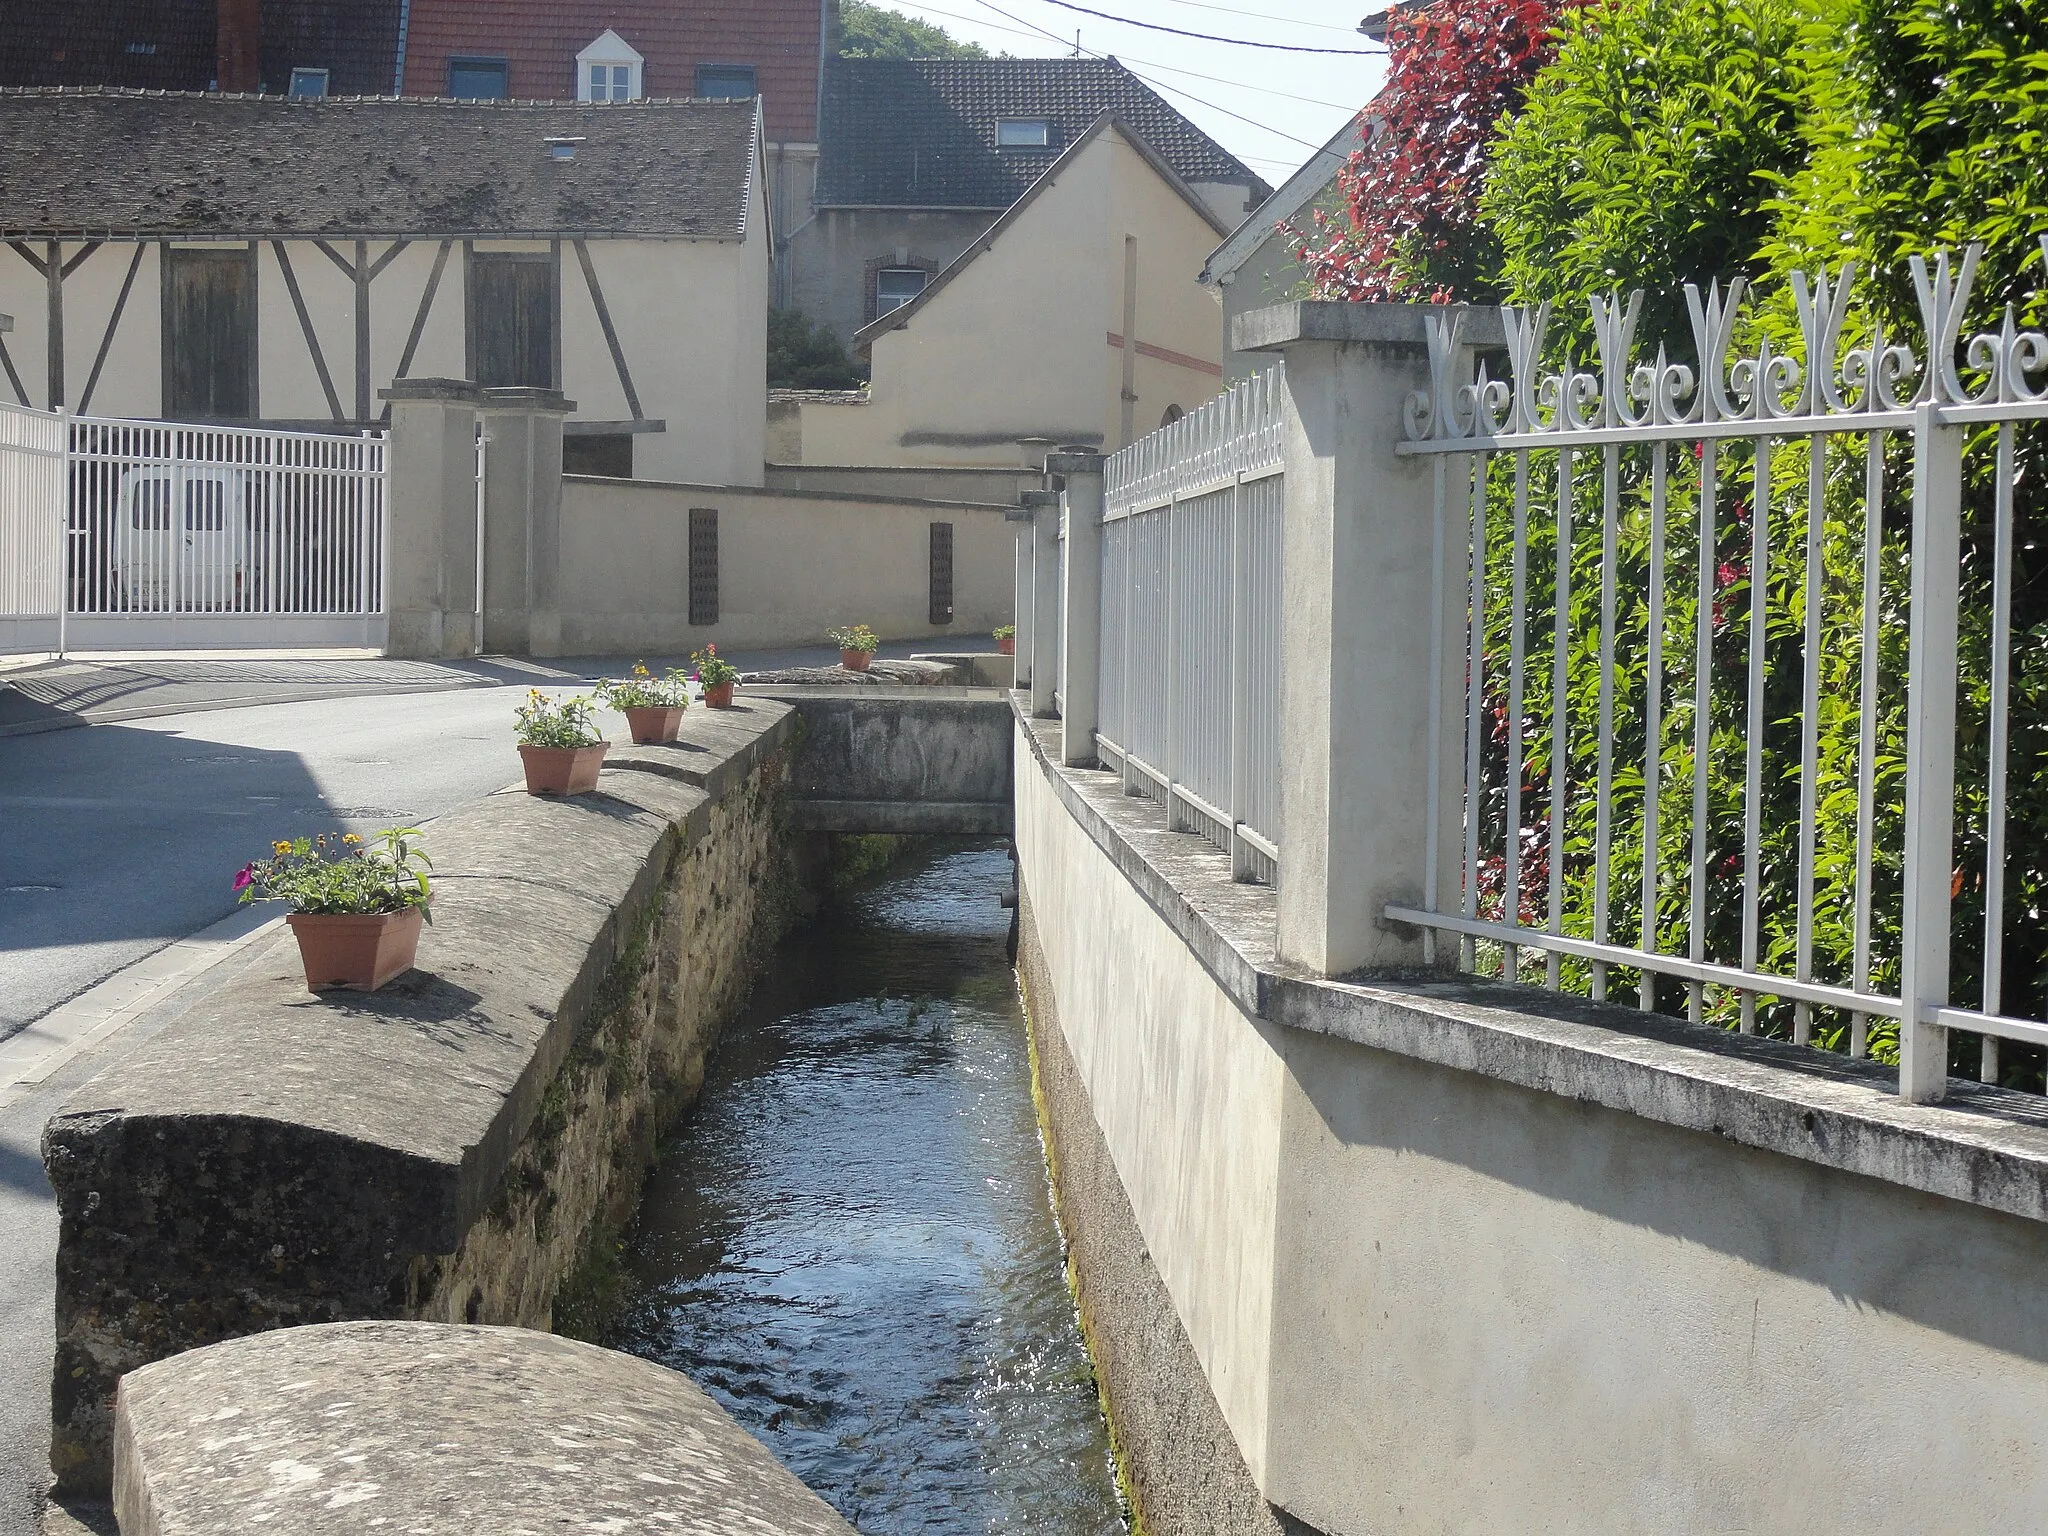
1210	37
1231	10
1158	85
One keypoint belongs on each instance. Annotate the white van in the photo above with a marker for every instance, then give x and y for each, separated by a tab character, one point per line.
186	539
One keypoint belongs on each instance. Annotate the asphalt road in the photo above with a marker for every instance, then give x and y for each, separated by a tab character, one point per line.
119	839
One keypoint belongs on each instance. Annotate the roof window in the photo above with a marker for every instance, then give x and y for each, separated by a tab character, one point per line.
610	69
473	79
1023	133
308	84
726	82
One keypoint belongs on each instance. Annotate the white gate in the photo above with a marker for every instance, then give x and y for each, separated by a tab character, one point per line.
178	536
31	529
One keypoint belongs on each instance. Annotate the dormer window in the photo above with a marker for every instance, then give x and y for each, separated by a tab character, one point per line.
609	70
308	84
1023	133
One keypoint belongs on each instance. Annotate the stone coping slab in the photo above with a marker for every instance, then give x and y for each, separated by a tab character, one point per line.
431	1083
1987	1146
438	1430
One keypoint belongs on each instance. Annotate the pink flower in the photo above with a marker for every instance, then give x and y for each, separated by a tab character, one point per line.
245	877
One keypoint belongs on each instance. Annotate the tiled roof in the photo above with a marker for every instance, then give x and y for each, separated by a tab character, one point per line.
125	163
539	40
921	133
168	45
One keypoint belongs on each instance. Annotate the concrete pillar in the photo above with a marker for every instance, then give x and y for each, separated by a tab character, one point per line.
1080	603
1360	573
522	520
1021	521
1045	599
432	518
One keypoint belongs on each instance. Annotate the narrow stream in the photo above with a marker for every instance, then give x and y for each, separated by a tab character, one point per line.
850	1244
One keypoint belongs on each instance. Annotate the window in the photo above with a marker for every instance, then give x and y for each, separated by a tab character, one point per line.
209	334
512	320
205	506
308	84
897	286
1023	133
703	567
479	79
609	70
598	453
726	82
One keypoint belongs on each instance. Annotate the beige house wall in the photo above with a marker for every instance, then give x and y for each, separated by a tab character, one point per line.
690	317
790	566
1022	341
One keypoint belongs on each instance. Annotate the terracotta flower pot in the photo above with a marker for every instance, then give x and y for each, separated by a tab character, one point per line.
562	770
360	952
718	695
654	725
1007	646
855	661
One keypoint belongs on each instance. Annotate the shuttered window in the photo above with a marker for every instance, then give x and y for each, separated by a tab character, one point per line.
209	323
512	320
703	567
942	573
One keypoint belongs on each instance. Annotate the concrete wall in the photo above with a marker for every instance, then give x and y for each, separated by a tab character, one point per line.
909	482
825	261
690	317
443	1149
1026	339
1459	1257
791	566
1269	276
919	760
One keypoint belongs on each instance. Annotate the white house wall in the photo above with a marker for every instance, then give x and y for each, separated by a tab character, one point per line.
690	317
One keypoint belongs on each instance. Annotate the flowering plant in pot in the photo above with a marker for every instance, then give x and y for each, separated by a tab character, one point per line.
356	907
717	675
1006	639
857	646
559	745
653	706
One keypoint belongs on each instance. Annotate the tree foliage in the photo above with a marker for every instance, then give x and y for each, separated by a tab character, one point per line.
870	32
1649	154
1407	227
805	355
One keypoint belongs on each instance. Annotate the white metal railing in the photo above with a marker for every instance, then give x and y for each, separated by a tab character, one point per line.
1188	683
31	529
1757	799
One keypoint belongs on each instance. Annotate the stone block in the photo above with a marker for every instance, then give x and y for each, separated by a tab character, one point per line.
437	1429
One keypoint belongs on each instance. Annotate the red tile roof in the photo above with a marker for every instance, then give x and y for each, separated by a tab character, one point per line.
541	38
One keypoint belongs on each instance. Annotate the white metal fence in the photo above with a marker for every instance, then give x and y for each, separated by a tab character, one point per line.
179	535
1188	691
31	529
1741	700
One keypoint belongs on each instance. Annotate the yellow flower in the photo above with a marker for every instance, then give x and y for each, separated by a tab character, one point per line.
280	847
350	837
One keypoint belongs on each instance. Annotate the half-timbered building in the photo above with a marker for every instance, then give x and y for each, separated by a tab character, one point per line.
221	258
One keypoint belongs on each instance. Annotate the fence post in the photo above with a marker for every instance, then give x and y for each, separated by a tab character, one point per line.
1020	520
431	515
522	521
1368	576
1930	753
1045	598
1081	604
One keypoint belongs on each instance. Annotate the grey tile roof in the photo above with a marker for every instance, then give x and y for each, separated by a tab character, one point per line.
921	133
124	163
169	44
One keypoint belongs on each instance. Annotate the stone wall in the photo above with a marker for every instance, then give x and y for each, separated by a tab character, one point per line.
442	1149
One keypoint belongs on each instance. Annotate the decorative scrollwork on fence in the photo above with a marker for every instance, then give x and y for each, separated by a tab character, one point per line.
1763	385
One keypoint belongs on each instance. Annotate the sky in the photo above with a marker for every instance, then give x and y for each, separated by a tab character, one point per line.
1270	108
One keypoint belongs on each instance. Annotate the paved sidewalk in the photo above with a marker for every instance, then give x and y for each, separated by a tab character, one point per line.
103	690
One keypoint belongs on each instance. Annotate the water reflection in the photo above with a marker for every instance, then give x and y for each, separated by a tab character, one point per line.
850	1245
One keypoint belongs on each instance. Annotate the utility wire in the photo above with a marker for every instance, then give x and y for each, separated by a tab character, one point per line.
1211	37
1155	84
1231	10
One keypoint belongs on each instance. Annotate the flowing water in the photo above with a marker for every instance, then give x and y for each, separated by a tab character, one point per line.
850	1242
